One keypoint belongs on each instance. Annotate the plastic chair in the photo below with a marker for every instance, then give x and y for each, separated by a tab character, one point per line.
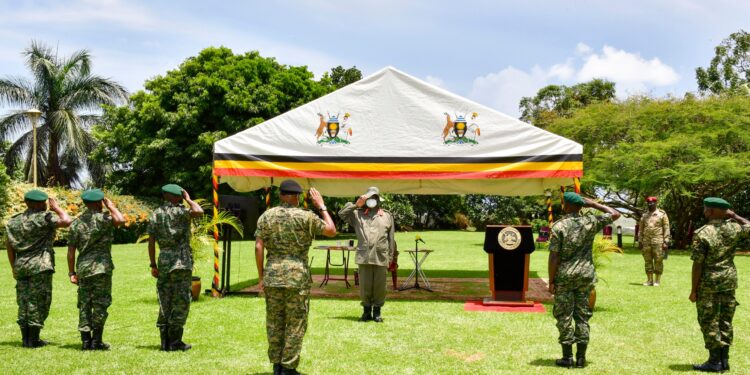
543	236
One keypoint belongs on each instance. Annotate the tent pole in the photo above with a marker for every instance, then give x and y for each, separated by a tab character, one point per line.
577	184
549	208
215	284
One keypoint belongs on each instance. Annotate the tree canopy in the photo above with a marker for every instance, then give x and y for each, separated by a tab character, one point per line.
729	70
168	132
559	101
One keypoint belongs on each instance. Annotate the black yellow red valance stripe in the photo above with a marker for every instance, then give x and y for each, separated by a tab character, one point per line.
537	166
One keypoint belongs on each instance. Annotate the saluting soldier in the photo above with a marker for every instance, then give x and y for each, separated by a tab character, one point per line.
653	240
376	245
286	233
30	236
169	226
92	234
572	274
714	279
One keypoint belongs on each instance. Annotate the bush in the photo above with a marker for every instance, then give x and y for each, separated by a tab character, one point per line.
135	210
4	194
402	210
462	222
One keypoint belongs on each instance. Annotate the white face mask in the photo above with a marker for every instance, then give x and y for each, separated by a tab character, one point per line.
372	202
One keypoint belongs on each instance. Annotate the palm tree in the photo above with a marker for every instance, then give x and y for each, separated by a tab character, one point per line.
70	98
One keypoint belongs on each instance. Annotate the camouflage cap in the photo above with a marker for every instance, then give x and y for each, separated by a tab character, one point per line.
35	195
715	202
172	189
573	198
92	195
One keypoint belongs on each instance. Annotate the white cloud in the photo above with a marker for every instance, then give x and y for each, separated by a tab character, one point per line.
435	81
630	72
83	12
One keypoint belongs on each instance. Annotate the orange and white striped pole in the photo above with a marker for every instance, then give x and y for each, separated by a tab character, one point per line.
215	284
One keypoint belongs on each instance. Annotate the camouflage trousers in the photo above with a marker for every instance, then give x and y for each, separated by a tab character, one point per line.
286	323
715	313
34	296
94	297
572	312
372	284
173	290
654	257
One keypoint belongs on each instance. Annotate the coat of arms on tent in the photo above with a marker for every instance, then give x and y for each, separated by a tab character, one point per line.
333	131
461	131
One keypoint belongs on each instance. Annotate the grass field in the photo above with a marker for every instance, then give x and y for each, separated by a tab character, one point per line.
635	329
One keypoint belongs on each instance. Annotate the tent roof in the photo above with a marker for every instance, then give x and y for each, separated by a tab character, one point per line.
403	135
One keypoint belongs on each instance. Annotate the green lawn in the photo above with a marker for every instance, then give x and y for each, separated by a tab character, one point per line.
635	329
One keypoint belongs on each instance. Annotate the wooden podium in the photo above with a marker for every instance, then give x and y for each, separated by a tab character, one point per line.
509	248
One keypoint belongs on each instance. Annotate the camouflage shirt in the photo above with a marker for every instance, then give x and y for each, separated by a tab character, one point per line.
170	226
287	233
31	233
92	234
713	246
654	228
573	238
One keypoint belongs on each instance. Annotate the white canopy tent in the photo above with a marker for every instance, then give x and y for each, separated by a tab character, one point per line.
403	135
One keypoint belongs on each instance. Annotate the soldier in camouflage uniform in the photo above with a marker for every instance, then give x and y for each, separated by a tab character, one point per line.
714	279
572	275
30	235
653	240
92	234
169	226
286	232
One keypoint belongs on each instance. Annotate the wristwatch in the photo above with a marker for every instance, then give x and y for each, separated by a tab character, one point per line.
324	208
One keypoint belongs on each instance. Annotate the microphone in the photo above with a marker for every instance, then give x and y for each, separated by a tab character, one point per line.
418	238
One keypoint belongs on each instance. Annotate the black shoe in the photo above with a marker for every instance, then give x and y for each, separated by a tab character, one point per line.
581	355
289	371
26	343
85	340
164	334
175	335
34	339
96	340
376	314
367	315
725	358
567	357
277	369
713	364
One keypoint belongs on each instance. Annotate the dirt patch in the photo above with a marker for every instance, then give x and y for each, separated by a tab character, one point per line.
468	358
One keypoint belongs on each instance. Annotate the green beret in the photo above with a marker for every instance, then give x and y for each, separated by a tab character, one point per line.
172	189
573	198
35	196
716	203
92	195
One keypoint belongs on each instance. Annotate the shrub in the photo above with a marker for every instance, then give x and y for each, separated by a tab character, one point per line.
462	222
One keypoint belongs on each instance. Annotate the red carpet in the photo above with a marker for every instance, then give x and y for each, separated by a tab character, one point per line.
477	306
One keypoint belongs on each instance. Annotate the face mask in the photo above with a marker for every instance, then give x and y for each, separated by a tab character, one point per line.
372	202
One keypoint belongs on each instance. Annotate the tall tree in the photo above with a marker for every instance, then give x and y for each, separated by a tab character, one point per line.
559	101
168	132
341	76
69	96
729	70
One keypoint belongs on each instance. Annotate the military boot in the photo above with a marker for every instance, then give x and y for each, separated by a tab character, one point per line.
85	340
164	333
96	340
650	281
289	371
277	369
581	355
34	339
175	335
367	314
713	364
725	358
25	337
657	280
567	357
376	314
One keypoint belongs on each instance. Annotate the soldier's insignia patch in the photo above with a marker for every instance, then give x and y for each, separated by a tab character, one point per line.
461	130
332	130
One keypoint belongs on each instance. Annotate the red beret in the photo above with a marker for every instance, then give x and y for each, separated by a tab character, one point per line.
651	199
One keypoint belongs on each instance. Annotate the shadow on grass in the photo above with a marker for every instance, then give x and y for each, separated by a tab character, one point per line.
543	362
76	347
11	343
149	347
349	318
681	367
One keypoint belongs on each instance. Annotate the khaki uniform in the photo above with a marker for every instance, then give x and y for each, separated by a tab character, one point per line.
31	234
287	233
654	233
92	234
572	238
714	247
376	245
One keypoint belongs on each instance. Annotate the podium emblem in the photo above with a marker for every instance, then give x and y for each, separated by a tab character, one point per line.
509	238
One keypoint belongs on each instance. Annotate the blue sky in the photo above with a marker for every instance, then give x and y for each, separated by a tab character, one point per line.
494	52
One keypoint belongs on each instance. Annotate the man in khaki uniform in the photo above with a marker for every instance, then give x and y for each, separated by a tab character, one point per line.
376	245
653	240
